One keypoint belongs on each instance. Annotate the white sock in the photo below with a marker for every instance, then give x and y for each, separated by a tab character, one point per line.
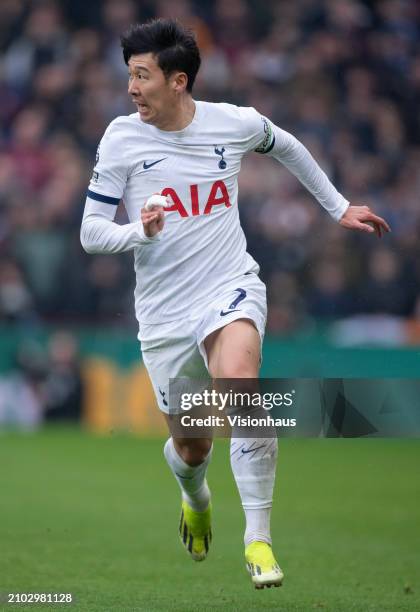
257	525
253	462
191	479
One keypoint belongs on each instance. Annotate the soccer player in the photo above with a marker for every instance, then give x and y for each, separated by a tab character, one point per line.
199	302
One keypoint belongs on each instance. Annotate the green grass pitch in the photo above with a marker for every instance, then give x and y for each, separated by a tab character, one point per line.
98	517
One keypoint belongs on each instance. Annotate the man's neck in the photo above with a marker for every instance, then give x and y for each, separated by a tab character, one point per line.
180	118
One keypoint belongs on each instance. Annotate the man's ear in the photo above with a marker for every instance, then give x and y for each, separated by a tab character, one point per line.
180	82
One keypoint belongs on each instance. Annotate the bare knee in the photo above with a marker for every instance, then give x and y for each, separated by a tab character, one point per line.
237	369
193	450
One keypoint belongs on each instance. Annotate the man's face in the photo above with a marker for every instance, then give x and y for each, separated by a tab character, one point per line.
152	93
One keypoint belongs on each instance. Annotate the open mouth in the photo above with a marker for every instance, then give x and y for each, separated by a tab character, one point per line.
140	106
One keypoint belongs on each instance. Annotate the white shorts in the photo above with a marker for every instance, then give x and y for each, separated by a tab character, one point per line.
176	349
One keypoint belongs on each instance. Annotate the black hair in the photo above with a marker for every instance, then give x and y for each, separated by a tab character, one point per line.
173	45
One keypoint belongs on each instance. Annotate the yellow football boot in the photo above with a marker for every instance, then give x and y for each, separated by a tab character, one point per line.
261	564
195	531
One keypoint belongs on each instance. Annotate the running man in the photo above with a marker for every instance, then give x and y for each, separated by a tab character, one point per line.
190	257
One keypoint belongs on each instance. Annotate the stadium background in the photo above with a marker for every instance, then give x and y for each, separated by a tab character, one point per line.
343	77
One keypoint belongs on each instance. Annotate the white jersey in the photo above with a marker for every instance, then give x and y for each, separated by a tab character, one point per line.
202	246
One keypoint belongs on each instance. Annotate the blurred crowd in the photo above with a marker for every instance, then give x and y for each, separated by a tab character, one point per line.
342	76
44	383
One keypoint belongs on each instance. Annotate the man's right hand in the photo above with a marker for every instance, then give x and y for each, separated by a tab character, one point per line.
153	220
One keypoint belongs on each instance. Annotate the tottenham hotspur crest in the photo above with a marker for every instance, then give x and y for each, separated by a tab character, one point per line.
222	163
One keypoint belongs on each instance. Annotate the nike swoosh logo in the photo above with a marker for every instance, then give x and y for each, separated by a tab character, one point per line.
146	166
184	477
223	314
251	450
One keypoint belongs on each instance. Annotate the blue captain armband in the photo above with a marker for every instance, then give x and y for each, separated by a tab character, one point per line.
102	198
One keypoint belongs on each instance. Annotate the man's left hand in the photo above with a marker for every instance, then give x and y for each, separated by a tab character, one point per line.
363	219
